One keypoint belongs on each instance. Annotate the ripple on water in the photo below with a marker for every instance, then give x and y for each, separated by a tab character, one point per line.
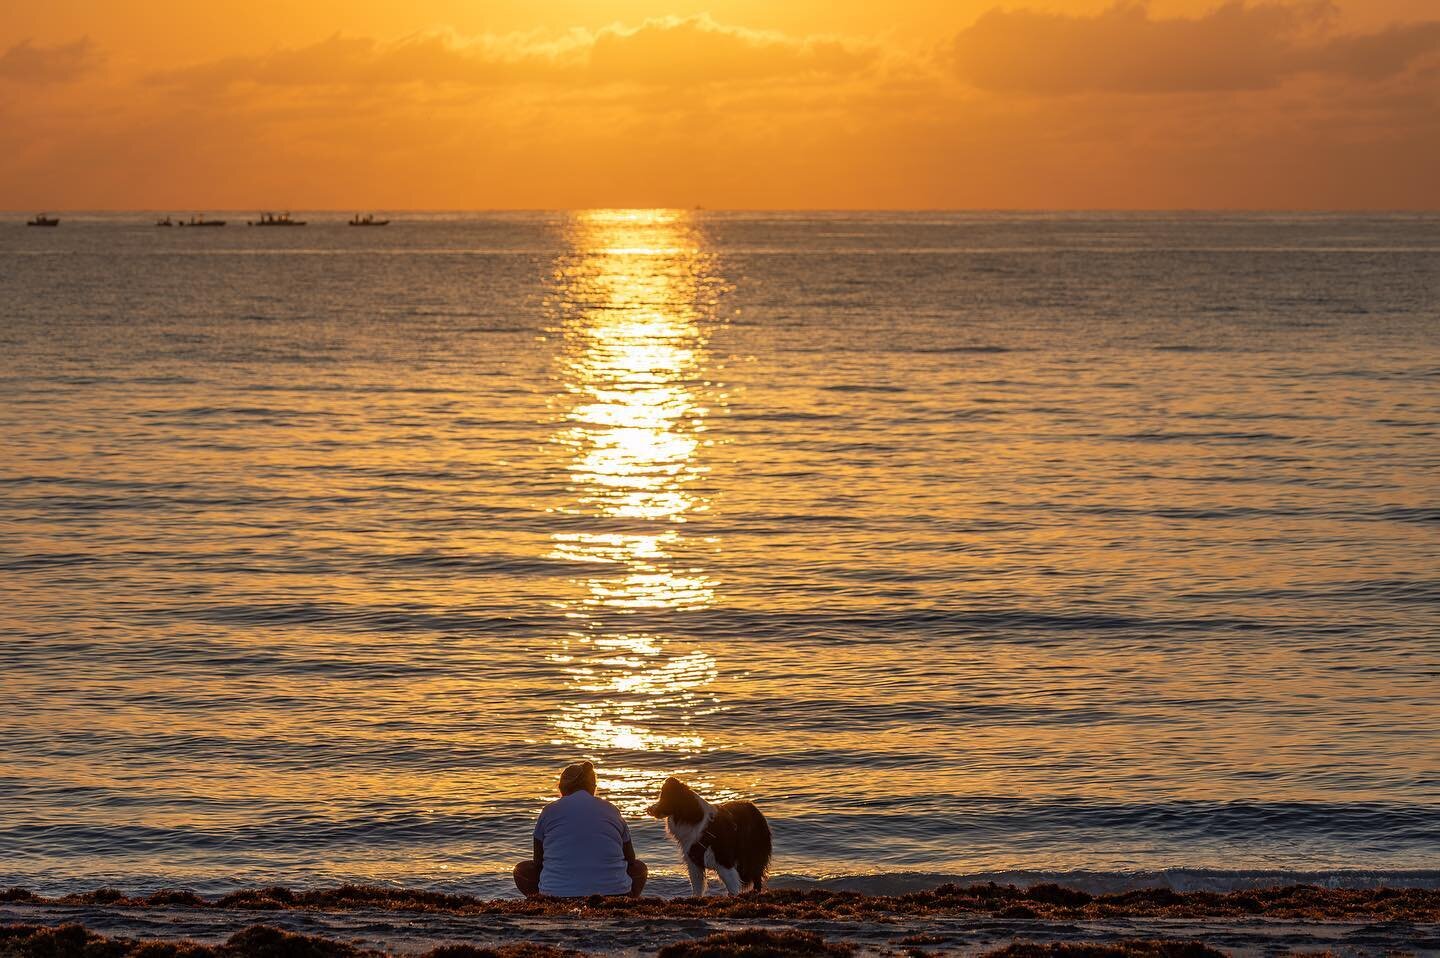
991	546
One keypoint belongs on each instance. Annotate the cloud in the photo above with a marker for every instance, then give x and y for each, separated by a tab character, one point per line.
670	51
694	50
27	63
1379	55
1273	104
356	61
1237	46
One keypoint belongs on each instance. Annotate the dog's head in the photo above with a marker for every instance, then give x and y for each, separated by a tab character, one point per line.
678	801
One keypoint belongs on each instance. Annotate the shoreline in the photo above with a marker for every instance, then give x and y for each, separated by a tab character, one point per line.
1049	900
665	884
367	921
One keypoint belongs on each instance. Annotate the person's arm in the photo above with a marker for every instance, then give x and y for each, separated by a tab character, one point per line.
540	853
627	849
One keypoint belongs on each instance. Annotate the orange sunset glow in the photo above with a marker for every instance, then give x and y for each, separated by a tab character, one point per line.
446	104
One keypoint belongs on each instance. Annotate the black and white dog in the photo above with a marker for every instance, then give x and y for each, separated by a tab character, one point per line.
733	839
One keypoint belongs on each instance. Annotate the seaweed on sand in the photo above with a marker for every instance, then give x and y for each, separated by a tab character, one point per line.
1130	948
262	941
257	941
758	943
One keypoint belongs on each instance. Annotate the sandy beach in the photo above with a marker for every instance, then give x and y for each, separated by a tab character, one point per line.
351	921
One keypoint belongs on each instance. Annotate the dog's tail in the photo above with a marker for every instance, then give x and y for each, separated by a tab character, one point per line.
754	845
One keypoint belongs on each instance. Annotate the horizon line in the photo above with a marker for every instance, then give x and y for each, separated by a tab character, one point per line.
351	210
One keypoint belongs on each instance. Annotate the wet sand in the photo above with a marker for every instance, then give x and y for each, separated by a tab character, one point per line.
364	922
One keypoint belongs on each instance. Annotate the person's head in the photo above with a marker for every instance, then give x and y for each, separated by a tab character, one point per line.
578	777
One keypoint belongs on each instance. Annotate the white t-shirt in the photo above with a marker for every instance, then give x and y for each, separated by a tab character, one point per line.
582	839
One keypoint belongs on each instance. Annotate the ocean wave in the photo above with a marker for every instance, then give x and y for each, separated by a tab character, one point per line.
863	388
862	626
929	827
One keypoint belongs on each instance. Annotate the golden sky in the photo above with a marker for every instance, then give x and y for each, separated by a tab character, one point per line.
480	104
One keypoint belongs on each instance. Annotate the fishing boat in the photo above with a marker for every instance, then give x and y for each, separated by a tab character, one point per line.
368	220
43	220
167	221
202	221
271	219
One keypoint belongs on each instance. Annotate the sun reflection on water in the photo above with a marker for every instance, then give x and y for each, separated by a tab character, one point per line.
632	302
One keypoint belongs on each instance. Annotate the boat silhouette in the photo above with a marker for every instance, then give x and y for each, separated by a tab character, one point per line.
165	222
202	221
43	220
271	219
368	220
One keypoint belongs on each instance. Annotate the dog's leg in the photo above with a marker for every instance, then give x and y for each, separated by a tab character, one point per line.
730	877
697	878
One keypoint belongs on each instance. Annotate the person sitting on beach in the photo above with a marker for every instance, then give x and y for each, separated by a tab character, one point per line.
582	845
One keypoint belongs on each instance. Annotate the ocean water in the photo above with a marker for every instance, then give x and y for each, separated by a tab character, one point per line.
962	544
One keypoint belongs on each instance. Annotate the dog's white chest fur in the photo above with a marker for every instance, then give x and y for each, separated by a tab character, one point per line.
687	835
